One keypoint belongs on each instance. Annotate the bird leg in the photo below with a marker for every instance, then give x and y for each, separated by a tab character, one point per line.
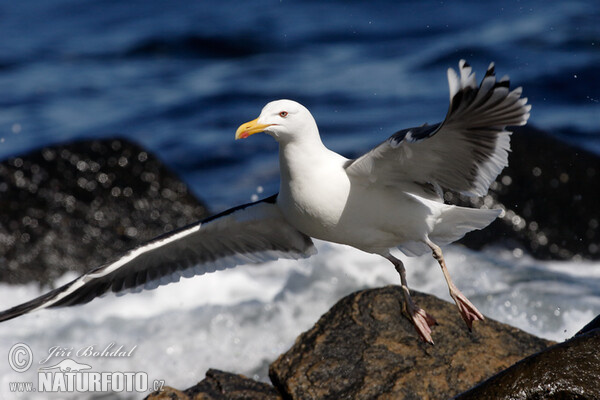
419	317
468	311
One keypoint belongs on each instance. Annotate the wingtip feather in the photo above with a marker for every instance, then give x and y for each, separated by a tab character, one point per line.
453	83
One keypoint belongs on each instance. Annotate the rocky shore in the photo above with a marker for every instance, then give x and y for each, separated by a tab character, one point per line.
364	348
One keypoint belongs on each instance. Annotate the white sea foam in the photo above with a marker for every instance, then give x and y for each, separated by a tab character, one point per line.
240	320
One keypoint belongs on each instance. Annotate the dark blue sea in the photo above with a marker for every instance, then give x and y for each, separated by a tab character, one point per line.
179	77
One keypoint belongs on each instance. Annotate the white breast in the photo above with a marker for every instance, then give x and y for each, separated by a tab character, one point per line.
314	189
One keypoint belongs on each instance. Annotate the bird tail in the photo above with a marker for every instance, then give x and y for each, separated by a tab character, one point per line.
454	222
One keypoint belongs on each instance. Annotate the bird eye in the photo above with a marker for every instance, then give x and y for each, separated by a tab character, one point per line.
283	114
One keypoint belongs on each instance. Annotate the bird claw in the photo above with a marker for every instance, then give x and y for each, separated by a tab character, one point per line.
468	311
423	322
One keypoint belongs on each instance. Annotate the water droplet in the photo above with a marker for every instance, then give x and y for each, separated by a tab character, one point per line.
518	253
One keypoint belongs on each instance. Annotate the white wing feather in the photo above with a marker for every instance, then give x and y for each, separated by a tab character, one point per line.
465	152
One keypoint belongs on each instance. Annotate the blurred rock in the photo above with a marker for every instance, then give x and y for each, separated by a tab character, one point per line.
219	385
550	194
365	348
569	370
76	206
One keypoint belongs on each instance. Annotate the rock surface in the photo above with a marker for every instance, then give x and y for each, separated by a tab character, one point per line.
364	348
219	385
590	326
550	194
74	207
569	370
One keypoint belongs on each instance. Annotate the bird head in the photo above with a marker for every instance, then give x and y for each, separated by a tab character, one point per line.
284	120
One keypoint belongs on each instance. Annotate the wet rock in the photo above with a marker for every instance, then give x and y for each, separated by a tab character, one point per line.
365	348
219	385
168	393
566	371
73	207
590	326
550	194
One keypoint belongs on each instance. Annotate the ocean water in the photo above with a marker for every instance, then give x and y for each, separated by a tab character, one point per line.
179	77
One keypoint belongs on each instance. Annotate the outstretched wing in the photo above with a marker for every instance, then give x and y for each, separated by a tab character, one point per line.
251	233
465	152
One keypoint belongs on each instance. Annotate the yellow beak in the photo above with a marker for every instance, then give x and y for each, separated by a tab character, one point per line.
249	128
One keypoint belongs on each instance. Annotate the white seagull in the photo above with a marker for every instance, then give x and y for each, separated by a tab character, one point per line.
390	197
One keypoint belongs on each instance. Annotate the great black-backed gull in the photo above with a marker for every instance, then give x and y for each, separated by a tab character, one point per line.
391	197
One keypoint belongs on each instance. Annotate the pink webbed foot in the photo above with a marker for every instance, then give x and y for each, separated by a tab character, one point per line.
468	311
423	323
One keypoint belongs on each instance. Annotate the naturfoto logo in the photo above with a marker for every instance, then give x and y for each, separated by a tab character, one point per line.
69	375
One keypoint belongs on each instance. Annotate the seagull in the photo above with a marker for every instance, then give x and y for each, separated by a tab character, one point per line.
390	197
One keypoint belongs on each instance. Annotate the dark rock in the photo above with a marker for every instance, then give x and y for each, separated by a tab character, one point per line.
593	324
219	385
365	348
569	370
167	393
73	207
550	193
